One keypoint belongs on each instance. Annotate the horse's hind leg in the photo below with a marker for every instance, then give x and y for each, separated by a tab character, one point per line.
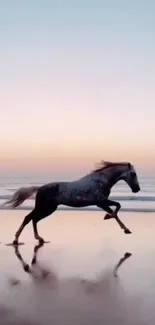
25	266
41	214
27	219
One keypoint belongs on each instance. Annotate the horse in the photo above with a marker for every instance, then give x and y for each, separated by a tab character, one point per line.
93	189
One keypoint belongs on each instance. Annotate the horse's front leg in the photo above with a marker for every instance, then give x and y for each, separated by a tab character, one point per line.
105	205
121	261
113	214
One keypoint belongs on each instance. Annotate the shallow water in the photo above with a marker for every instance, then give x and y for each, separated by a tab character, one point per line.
73	281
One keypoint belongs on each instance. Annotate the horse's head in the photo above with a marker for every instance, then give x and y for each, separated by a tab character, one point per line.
116	171
130	177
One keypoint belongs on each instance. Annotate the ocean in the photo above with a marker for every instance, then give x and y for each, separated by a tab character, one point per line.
144	201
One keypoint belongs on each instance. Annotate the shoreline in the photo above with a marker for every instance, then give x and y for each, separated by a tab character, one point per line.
95	209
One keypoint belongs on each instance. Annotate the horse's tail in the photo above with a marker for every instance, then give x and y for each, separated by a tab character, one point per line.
21	195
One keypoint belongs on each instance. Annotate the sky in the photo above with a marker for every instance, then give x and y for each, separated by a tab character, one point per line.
77	82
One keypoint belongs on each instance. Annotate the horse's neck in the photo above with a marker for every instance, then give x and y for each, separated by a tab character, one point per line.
112	177
109	176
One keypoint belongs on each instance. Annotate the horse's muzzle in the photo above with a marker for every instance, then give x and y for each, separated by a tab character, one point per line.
136	189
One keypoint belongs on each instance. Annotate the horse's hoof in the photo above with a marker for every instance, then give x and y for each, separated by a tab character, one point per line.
107	217
15	243
127	231
126	255
41	241
26	268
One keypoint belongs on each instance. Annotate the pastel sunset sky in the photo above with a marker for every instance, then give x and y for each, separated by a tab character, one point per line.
77	83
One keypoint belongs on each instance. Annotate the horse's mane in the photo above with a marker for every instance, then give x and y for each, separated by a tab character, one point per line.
106	164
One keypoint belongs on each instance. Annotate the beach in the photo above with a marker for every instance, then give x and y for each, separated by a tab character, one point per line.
73	280
77	128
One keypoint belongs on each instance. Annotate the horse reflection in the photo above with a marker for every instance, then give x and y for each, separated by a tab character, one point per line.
32	270
89	286
121	261
104	281
26	266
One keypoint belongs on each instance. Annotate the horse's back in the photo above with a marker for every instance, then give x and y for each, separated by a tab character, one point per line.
81	182
55	189
79	192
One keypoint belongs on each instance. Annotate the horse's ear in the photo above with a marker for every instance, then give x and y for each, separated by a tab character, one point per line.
129	165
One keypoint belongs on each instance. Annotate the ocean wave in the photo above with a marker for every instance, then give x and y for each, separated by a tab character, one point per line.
146	198
65	208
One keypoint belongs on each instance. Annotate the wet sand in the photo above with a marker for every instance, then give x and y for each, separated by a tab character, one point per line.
73	280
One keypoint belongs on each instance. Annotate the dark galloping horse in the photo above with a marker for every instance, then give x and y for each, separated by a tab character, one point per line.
92	189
